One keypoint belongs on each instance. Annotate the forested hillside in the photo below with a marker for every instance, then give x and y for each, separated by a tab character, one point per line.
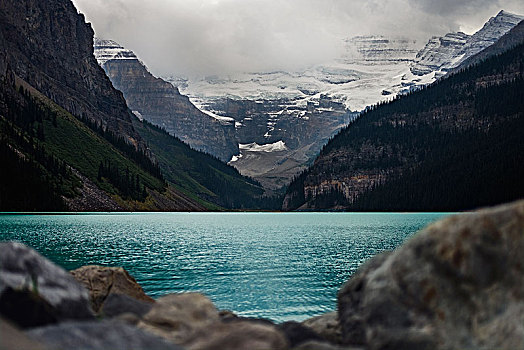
68	140
454	145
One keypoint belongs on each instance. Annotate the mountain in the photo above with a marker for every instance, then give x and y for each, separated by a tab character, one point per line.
300	109
160	103
509	40
441	54
68	140
454	145
62	69
304	108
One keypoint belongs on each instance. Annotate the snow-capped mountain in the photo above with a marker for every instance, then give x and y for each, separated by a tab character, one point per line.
160	103
106	50
302	109
356	79
441	54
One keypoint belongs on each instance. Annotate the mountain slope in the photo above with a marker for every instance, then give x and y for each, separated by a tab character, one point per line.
47	149
452	146
304	108
67	138
202	176
509	40
160	103
50	46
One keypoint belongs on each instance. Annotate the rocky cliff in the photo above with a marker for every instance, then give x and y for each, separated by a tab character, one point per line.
441	54
50	46
509	40
160	103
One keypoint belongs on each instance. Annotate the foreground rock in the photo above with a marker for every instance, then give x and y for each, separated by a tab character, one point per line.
238	335
327	326
98	336
12	338
192	320
101	281
27	277
456	284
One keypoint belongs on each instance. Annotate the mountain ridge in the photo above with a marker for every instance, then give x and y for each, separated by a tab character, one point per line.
454	145
160	103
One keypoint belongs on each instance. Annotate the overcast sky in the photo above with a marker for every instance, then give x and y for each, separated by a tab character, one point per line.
203	37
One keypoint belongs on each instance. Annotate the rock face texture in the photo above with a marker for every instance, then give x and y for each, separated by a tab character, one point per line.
327	326
456	284
50	46
22	268
512	38
103	281
193	321
441	54
98	336
160	103
178	317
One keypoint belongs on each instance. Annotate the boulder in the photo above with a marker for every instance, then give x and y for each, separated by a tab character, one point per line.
239	335
191	320
456	284
23	269
101	281
296	333
12	338
118	304
177	317
318	345
26	309
100	335
326	326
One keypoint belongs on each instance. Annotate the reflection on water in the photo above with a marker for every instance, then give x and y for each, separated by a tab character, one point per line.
280	266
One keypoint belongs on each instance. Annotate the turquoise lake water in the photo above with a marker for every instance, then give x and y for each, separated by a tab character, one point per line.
280	266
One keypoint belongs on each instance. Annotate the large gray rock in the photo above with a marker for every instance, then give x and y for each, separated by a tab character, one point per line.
178	317
326	326
12	338
191	320
238	335
102	281
459	283
118	304
297	333
98	336
22	268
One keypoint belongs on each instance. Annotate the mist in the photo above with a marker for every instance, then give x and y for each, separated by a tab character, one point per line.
208	37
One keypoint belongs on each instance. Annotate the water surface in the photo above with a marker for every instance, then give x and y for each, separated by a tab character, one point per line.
281	266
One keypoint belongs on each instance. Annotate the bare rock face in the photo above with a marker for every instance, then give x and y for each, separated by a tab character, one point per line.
456	284
23	269
50	46
238	335
13	338
160	103
191	320
178	317
98	336
101	281
327	326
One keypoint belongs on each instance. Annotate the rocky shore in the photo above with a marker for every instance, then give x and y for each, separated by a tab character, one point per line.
458	283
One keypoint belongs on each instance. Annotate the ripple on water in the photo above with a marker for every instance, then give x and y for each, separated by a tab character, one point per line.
271	265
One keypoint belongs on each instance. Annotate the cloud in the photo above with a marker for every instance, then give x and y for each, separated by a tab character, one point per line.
205	37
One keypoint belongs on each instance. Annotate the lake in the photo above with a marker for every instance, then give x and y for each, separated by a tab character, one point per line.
280	266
